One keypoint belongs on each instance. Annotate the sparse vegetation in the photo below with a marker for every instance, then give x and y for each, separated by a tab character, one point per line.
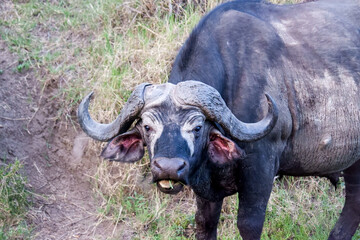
110	46
14	202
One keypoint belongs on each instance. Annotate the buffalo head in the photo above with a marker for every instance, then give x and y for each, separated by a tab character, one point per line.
180	125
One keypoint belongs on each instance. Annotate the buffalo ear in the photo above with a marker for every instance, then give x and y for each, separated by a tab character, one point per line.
222	150
127	147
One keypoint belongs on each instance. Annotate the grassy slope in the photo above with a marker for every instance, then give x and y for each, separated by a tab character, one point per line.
111	46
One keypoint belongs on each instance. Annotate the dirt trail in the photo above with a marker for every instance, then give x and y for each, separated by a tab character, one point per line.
53	156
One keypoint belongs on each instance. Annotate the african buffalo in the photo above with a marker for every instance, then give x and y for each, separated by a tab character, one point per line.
210	127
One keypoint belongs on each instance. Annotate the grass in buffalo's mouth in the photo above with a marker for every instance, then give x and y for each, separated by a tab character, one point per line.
167	184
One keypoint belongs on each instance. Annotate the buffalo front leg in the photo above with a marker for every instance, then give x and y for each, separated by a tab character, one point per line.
349	219
251	215
254	194
207	218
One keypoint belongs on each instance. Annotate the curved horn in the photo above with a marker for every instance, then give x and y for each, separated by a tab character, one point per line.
211	103
105	132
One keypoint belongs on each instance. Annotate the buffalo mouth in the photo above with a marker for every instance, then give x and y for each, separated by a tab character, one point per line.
170	186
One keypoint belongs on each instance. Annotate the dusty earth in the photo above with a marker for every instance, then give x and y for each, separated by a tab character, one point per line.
56	160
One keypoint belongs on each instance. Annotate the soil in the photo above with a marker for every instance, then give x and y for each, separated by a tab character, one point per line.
54	153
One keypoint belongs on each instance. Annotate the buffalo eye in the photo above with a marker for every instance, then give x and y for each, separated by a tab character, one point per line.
197	129
147	128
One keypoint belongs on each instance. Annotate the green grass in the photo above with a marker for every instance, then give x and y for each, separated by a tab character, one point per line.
110	46
303	208
14	202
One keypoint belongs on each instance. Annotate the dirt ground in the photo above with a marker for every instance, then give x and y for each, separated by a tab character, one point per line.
53	154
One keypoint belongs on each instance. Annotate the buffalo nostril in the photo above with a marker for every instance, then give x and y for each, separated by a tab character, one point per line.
156	164
182	166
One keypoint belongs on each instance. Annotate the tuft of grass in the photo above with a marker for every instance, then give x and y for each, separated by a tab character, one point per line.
14	203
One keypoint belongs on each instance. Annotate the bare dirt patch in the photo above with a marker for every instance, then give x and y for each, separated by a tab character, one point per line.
54	154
